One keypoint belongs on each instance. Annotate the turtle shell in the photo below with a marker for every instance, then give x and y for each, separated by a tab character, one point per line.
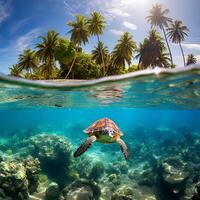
103	125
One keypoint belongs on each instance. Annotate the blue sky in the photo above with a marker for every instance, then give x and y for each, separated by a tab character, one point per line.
23	21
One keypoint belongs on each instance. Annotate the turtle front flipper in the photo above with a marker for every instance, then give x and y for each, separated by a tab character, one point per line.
86	144
123	148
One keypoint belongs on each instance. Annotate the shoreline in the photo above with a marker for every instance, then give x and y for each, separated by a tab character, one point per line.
74	83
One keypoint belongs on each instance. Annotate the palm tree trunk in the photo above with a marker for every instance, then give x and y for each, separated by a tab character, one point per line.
182	54
170	53
70	69
103	63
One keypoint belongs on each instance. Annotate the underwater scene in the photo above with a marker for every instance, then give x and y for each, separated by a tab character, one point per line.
157	129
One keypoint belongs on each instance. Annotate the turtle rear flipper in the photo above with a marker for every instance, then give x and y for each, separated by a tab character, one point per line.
123	148
86	144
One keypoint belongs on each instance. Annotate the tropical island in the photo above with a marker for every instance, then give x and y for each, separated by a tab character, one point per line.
57	57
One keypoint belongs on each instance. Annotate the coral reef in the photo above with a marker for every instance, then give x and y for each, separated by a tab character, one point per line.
157	170
82	189
53	152
53	192
173	177
18	178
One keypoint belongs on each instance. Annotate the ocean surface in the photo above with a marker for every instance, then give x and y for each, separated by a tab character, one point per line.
158	113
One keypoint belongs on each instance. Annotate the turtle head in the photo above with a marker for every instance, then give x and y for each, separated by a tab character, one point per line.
111	132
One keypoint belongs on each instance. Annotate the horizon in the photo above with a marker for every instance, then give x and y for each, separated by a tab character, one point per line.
21	23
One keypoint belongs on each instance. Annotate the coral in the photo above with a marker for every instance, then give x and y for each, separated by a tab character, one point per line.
128	192
97	171
52	192
82	189
119	196
173	176
81	167
112	169
32	171
81	193
53	152
114	179
18	178
148	178
43	178
123	167
73	175
13	179
197	195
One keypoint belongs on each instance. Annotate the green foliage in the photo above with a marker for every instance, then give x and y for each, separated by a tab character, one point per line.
96	53
65	51
74	63
132	68
191	59
85	67
177	31
96	23
46	52
15	70
38	74
101	56
28	60
96	26
123	52
151	52
27	75
79	32
158	16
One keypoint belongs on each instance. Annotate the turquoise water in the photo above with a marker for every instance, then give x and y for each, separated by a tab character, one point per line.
160	119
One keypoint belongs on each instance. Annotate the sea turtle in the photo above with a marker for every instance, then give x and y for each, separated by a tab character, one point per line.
104	131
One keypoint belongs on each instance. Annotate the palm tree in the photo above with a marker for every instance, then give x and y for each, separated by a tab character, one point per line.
191	59
46	52
151	52
123	52
96	25
163	60
48	71
158	18
15	70
38	74
177	33
27	75
79	35
28	61
100	52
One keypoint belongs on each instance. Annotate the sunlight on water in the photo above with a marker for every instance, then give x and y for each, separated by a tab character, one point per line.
150	88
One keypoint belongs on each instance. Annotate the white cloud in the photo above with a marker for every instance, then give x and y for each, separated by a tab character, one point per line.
116	32
118	12
192	46
129	25
5	10
22	42
26	40
198	58
110	9
18	25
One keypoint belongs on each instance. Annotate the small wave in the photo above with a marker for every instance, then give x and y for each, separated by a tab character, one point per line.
67	84
156	88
